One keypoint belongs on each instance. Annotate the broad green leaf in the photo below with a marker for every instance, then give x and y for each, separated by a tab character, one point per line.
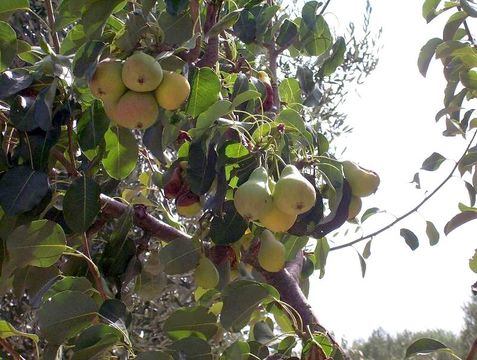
96	340
65	315
179	256
315	43
205	88
177	29
287	34
245	96
426	54
195	321
92	126
473	262
293	120
7	330
81	204
290	93
425	346
75	38
433	162
368	213
121	152
86	58
67	13
228	228
336	58
12	82
34	280
246	27
432	233
239	350
458	220
286	345
224	23
201	166
321	253
39	243
293	244
7	6
453	24
308	13
192	348
75	283
8	45
241	298
95	15
208	117
429	9
411	239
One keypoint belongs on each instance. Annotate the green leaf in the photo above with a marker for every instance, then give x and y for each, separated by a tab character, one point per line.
179	256
469	159
287	34
21	189
75	283
336	58
368	213
192	348
175	7
177	29
154	355
94	341
241	298
224	23
293	244
308	13
245	96
239	350
321	254
429	9
290	92
205	88
362	263
411	239
473	262
367	249
425	346
92	126
453	24
228	228
39	243
246	27
470	7
432	233
201	167
208	117
65	315
34	280
86	58
81	204
315	43
426	54
8	45
68	12
95	15
458	220
75	38
7	330
195	321
433	162
121	152
293	120
7	6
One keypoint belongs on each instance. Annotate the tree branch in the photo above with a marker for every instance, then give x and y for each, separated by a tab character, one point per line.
211	55
10	350
51	23
473	351
193	54
94	271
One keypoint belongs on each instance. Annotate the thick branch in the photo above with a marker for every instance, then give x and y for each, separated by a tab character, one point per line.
193	54
272	59
211	55
473	351
51	23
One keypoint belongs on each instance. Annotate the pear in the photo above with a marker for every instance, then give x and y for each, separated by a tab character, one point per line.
253	198
134	110
141	72
276	220
188	204
271	255
206	274
354	207
106	83
293	194
173	91
363	182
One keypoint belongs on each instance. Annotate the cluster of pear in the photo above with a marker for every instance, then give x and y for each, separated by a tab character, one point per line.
275	205
363	183
176	188
132	91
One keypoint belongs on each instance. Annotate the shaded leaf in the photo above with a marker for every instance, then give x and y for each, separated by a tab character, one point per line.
86	58
432	233
7	330
179	256
8	45
411	239
458	220
287	34
228	228
473	262
425	346
191	348
336	58
426	54
92	126
368	213
95	341
205	88
470	7
224	23
195	321
13	81
121	152
433	162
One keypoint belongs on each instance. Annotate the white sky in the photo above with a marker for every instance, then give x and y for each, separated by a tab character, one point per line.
393	117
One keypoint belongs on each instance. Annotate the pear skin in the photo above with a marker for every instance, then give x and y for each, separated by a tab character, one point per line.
107	83
133	110
276	220
206	275
141	72
271	255
354	207
293	194
188	204
253	198
173	91
363	182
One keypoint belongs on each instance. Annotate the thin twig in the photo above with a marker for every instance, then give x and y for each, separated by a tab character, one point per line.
467	29
402	217
323	9
51	22
10	350
94	270
70	168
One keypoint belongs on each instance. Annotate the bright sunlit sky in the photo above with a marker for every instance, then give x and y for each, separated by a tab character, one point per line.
394	131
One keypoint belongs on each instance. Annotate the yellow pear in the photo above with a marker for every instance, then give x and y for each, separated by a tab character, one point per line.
106	83
133	110
354	207
206	274
276	220
271	255
293	194
363	182
188	204
173	91
253	198
141	72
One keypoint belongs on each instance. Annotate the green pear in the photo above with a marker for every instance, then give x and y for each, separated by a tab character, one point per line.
106	83
141	72
354	207
271	255
253	197
206	274
363	182
173	91
133	110
293	194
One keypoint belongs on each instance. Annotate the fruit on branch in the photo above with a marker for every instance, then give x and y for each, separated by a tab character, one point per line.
268	101
141	72
206	274
173	91
276	220
253	198
173	186
134	110
188	204
106	83
354	207
363	182
293	194
271	255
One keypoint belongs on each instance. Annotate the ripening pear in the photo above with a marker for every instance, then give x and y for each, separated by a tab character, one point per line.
363	182
293	194
206	274
141	72
354	207
173	91
271	255
253	198
133	110
276	220
106	83
188	204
